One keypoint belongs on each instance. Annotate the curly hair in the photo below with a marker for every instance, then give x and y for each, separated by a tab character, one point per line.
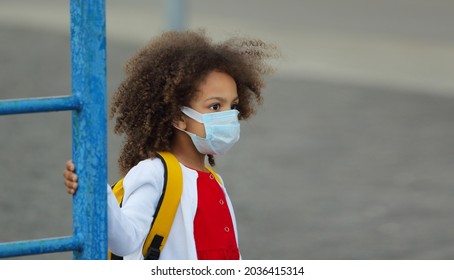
165	75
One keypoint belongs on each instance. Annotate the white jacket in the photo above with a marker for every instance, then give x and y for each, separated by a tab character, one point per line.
129	225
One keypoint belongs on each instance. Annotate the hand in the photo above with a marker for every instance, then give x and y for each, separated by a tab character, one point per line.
70	177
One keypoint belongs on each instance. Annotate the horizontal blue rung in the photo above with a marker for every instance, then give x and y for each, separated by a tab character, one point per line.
39	246
37	105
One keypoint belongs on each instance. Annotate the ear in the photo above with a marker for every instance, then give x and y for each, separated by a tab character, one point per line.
180	122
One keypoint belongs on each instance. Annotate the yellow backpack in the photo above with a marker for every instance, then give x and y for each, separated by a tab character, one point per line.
166	208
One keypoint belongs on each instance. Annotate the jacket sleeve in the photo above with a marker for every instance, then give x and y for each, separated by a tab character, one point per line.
129	225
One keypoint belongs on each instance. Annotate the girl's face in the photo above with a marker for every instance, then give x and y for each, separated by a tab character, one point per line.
216	93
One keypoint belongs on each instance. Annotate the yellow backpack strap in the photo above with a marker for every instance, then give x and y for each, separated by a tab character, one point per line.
167	207
119	192
216	176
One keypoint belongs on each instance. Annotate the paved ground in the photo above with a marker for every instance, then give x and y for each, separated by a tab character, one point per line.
328	169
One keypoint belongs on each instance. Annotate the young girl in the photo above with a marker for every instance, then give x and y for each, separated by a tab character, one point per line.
183	94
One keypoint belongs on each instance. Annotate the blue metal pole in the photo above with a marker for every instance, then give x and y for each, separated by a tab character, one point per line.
176	14
37	105
88	58
39	246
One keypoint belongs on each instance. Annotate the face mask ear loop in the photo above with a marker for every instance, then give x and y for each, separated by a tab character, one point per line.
193	114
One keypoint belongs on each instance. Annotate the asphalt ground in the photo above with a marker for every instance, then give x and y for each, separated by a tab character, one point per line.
325	170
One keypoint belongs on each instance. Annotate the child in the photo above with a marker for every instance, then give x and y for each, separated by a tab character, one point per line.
183	94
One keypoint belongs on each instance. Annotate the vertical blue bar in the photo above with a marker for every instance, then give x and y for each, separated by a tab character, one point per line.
88	59
176	14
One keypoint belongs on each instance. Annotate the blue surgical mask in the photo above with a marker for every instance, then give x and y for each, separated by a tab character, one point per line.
222	130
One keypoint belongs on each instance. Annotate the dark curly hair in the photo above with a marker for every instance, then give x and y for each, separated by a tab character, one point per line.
165	75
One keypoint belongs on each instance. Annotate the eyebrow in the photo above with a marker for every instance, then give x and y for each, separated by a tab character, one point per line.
221	98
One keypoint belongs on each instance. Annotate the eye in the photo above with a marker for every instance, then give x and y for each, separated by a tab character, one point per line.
234	107
215	107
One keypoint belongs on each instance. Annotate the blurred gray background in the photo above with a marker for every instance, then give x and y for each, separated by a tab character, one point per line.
350	156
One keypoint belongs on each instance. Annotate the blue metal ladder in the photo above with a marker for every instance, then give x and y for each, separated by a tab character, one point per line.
88	106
